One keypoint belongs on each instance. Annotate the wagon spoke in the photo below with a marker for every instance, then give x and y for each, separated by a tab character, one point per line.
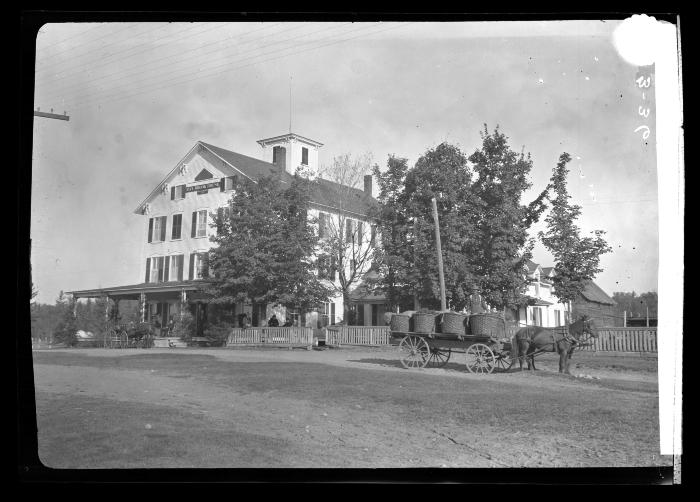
415	352
480	358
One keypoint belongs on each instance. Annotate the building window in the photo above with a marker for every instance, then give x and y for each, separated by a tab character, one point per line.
154	269
359	233
537	314
177	227
557	317
199	223
176	263
199	265
323	225
373	235
304	156
329	313
228	183
177	192
348	230
156	229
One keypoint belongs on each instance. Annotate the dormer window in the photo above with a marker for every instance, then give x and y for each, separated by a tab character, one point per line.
304	156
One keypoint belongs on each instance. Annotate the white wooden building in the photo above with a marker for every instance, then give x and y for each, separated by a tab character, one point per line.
176	219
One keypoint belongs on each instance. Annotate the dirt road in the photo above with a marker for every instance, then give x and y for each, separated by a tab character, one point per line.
100	408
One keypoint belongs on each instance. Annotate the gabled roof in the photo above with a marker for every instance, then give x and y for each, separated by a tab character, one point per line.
546	271
285	137
336	196
593	293
325	194
531	266
250	166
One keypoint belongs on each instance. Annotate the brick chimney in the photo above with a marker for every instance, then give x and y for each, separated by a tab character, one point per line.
368	184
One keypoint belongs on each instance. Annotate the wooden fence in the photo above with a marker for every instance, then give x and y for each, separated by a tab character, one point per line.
291	337
358	335
609	339
624	340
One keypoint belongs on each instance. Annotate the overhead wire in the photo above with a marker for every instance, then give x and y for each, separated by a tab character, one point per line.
148	64
94	49
186	71
54	55
139	50
197	77
82	33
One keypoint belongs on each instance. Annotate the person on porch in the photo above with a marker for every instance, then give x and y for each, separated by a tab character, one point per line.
273	322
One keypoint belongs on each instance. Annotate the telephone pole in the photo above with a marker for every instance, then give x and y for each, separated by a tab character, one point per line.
39	113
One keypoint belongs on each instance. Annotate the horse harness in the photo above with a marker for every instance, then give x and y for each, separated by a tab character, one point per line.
561	330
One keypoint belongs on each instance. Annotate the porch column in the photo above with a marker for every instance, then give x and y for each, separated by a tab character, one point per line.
142	306
183	301
106	300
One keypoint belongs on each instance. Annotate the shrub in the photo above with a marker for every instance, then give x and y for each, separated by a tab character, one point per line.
218	333
184	325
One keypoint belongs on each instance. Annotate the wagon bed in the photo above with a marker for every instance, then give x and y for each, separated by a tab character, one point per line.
484	353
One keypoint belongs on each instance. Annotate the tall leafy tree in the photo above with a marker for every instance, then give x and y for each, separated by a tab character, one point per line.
265	244
576	258
501	220
393	234
483	224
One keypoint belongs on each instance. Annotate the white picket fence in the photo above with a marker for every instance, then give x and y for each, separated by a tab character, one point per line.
358	335
624	340
289	336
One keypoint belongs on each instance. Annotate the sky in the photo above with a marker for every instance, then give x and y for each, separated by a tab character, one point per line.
139	95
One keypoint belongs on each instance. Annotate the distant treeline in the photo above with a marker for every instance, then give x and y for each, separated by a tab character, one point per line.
636	305
89	316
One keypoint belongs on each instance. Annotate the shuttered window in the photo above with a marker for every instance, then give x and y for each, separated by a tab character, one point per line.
177	227
156	229
175	272
305	156
348	230
177	192
200	264
156	269
228	183
373	235
199	223
359	233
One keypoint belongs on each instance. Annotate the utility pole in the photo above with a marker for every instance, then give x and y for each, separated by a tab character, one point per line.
39	113
443	300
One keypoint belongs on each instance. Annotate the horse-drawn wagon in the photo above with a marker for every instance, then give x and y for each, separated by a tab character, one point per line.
428	339
130	335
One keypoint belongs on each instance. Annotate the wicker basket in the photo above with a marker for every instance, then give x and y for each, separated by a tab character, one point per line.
487	324
400	322
424	322
452	322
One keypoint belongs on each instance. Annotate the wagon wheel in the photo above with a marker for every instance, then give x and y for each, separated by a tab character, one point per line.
123	340
439	357
112	338
415	352
480	359
504	360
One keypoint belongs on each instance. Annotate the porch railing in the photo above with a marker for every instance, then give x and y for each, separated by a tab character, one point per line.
289	336
358	335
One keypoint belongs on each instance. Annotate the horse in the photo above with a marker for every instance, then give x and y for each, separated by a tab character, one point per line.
532	340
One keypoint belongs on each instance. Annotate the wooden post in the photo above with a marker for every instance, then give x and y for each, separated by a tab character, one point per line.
443	301
142	304
624	319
